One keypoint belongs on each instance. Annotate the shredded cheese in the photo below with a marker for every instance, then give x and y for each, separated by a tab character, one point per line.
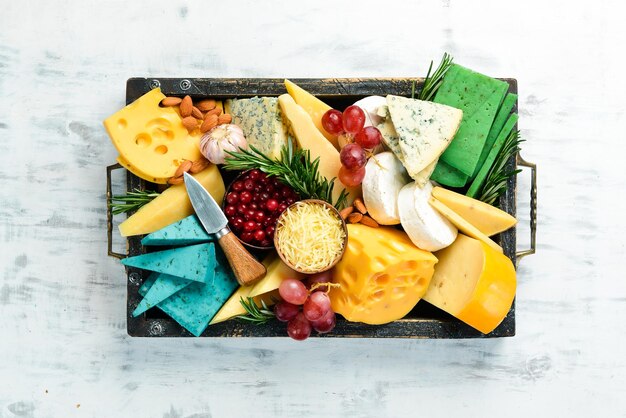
310	236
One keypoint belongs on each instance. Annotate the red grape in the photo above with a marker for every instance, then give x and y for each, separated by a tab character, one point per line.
332	122
353	157
299	328
326	323
286	311
368	137
316	306
353	119
293	291
351	178
324	277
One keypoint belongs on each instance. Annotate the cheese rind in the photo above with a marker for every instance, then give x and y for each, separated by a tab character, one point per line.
428	229
425	130
151	140
309	137
313	106
172	205
261	121
486	218
384	178
382	275
463	225
474	283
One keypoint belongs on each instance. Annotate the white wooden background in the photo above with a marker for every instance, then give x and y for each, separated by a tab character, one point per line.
64	351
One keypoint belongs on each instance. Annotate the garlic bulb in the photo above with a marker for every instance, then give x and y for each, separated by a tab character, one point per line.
222	138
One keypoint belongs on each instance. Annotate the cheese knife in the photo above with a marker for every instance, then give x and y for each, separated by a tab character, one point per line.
246	268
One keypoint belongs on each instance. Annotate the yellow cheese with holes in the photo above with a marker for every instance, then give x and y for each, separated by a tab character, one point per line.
464	226
313	106
486	218
276	272
151	140
474	283
172	205
310	138
382	275
233	307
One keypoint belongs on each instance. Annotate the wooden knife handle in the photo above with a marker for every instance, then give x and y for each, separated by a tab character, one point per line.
246	268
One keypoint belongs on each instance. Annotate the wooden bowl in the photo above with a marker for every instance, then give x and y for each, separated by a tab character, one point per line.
343	226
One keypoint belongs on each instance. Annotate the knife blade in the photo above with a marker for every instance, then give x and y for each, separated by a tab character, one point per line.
246	268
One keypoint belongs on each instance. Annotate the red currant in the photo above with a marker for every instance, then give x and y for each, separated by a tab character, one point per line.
245	197
271	205
232	198
259	216
250	226
230	211
259	235
248	184
247	237
237	186
254	174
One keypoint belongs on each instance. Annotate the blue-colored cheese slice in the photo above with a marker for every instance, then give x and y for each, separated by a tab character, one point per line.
261	121
187	231
194	306
163	286
425	130
195	262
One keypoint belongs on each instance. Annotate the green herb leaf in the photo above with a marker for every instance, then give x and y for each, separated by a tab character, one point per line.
496	181
131	201
432	83
295	169
256	315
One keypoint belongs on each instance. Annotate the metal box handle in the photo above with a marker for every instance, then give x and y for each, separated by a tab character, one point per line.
110	214
533	207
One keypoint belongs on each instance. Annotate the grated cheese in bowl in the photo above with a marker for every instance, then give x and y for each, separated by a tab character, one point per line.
310	236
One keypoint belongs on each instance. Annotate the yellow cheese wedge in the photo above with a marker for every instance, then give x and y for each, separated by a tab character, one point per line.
313	106
382	275
464	226
233	307
172	205
486	218
309	137
151	140
474	283
276	272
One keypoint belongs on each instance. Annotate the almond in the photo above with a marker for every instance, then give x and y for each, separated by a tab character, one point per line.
217	111
196	113
171	101
199	165
358	204
355	218
345	212
225	118
190	123
175	180
367	221
210	122
186	106
206	105
183	168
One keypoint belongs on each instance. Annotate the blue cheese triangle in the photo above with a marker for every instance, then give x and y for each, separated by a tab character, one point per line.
389	134
424	131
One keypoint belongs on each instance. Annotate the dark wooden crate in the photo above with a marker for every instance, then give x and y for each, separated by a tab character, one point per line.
424	321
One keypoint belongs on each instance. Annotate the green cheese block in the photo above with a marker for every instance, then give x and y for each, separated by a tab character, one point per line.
491	157
479	97
195	262
184	232
194	306
496	127
163	286
448	176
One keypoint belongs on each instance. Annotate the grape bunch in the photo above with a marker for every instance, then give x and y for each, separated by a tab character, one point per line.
316	313
350	124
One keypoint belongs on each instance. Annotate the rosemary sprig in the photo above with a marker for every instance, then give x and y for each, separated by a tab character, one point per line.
294	169
496	181
131	201
432	83
255	314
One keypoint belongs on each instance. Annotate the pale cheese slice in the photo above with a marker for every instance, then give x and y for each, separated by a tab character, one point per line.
464	226
425	130
389	134
424	176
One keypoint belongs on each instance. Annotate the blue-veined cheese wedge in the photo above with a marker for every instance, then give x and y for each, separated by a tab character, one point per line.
261	121
187	231
163	287
196	262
